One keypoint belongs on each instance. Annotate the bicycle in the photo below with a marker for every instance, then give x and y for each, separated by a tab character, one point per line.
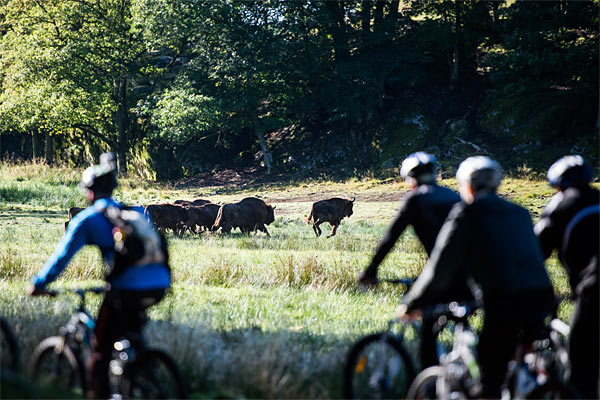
134	371
379	365
458	371
539	371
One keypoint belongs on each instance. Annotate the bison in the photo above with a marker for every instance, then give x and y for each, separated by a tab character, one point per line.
250	214
73	211
195	203
203	216
332	211
168	216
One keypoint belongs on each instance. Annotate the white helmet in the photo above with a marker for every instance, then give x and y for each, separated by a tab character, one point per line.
480	172
420	165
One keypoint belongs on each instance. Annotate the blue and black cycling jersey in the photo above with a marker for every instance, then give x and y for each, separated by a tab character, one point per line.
92	227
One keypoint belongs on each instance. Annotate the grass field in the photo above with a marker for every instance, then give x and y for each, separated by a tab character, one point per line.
248	316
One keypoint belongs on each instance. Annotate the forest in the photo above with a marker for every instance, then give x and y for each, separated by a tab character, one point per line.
182	87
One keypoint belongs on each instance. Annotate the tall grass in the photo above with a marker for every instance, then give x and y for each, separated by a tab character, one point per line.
248	316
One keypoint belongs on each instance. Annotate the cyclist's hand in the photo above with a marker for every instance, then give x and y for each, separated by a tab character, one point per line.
366	281
33	291
404	315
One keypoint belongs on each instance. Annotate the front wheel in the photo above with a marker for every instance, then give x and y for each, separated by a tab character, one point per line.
9	349
378	366
425	384
154	375
54	366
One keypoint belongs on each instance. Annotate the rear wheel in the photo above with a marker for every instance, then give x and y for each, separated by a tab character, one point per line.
425	384
54	366
154	375
378	367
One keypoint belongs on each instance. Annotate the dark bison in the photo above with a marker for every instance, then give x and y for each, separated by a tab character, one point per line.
196	203
73	211
203	216
250	214
332	211
168	216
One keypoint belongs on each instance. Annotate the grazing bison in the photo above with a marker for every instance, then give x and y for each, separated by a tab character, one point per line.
73	211
332	211
250	214
168	216
196	203
203	216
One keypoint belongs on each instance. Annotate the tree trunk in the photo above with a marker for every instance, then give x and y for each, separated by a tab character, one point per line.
337	26
393	16
49	148
454	57
267	156
378	17
121	121
365	22
36	144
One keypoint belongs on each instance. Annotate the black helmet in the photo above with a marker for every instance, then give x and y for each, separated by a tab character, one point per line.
101	178
420	166
569	171
480	172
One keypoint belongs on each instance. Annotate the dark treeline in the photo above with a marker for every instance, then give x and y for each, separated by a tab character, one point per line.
177	87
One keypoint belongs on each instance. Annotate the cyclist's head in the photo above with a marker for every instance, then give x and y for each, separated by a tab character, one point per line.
569	171
479	174
100	180
420	167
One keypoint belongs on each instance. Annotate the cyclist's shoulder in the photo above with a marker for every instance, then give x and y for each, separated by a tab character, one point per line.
433	192
570	201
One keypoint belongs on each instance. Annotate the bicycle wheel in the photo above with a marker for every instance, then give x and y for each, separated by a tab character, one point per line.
54	366
378	368
425	384
154	375
9	349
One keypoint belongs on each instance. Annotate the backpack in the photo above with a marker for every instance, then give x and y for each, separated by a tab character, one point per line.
137	242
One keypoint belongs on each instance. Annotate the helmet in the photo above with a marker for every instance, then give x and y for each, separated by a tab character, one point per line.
480	172
101	178
569	171
419	165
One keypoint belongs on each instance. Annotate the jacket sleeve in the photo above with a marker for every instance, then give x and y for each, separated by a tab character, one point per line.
546	230
447	262
72	241
403	219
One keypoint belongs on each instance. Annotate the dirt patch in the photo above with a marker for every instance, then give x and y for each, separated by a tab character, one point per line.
362	198
244	177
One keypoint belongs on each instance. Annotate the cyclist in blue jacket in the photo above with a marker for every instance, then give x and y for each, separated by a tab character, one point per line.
132	288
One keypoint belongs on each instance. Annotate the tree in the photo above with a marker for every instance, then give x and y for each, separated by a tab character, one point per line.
96	49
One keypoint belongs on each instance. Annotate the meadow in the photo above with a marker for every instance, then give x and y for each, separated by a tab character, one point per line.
248	316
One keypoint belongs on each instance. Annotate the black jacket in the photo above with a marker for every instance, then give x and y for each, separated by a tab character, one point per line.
582	249
426	209
492	242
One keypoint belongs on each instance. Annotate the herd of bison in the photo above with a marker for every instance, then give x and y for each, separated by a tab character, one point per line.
249	215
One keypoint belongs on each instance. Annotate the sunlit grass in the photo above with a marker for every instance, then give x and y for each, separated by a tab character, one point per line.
276	315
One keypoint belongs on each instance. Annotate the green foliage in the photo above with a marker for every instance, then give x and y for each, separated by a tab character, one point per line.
179	87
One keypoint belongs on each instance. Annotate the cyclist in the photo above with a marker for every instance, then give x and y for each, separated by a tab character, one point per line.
488	243
571	210
133	288
425	207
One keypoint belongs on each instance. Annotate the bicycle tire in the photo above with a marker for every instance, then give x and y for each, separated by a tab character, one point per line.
9	348
425	383
153	375
53	364
389	379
